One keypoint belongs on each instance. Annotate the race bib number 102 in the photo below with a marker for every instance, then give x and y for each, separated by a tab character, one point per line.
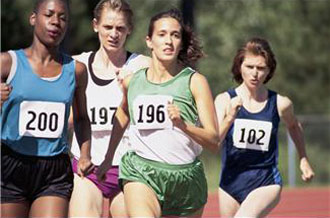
41	119
252	134
150	112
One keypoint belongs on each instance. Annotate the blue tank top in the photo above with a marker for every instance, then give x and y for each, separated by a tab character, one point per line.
251	141
34	118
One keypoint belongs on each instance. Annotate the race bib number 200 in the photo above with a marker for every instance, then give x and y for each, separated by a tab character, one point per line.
41	119
150	112
252	134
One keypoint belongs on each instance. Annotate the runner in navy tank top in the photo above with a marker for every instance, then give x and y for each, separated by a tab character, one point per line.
248	117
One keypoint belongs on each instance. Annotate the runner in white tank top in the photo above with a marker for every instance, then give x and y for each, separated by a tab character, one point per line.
106	68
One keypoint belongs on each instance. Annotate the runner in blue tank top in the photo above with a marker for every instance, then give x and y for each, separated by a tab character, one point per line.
36	173
248	117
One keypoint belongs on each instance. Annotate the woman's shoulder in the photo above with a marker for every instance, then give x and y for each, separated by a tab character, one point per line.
222	98
284	104
82	57
6	63
137	61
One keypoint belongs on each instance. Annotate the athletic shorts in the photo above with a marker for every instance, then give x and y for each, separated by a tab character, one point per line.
181	189
239	183
26	178
109	187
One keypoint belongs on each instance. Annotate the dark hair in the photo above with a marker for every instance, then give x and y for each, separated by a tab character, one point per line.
191	50
255	46
39	2
116	5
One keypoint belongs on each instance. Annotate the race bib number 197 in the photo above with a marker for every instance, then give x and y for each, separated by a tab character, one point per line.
150	112
252	134
41	119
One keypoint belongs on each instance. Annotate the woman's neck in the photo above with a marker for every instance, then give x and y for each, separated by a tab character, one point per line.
110	60
39	53
259	94
160	72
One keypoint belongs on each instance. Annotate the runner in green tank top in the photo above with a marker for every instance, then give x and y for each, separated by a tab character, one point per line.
171	113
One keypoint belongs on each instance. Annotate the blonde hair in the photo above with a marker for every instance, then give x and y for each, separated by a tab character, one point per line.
116	5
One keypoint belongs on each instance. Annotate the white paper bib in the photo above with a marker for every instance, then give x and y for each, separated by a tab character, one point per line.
150	112
41	119
252	134
101	117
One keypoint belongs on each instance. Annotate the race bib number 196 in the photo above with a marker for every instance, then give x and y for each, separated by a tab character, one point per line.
252	134
150	112
41	119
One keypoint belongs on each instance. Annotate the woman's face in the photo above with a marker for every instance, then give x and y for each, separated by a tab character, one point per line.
112	29
254	70
166	40
50	22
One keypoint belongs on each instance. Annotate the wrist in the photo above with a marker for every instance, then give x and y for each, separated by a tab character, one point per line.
182	125
303	158
84	155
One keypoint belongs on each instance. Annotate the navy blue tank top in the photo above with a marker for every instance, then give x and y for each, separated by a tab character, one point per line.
252	141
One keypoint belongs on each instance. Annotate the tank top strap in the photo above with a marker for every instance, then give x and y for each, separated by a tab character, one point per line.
272	102
232	93
67	62
129	54
21	58
272	97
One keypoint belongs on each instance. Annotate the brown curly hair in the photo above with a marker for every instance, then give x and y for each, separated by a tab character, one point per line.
191	50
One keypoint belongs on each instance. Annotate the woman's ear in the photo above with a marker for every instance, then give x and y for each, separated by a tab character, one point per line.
95	26
33	18
148	41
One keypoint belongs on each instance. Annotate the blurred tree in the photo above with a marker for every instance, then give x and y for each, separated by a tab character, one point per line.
298	31
187	8
15	28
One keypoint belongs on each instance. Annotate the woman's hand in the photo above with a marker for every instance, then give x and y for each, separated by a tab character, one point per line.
85	166
174	114
306	169
233	108
102	170
5	91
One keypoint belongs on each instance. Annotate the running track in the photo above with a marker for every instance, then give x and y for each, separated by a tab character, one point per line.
295	202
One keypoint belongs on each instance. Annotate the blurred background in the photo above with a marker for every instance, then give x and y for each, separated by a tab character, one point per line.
299	33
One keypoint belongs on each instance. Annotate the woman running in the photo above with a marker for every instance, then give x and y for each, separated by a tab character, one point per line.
248	118
113	22
36	172
171	113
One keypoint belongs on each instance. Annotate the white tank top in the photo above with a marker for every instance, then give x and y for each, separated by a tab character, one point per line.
102	102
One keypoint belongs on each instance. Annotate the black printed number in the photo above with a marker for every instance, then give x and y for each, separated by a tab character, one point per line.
152	113
252	136
102	115
42	121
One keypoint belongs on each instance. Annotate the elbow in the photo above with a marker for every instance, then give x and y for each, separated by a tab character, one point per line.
214	143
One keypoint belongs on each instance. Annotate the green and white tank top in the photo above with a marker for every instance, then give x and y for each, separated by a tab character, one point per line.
152	133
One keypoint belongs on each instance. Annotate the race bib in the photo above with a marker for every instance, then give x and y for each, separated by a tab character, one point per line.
150	112
252	134
41	119
101	118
